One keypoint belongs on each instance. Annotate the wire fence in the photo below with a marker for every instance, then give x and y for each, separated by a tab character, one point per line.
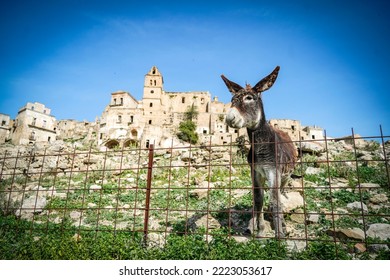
338	192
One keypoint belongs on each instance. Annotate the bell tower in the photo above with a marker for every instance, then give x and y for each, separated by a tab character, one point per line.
153	86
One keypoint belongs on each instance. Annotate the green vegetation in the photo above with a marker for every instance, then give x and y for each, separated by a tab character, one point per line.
187	132
187	128
66	242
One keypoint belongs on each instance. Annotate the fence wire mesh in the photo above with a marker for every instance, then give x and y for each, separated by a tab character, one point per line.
338	192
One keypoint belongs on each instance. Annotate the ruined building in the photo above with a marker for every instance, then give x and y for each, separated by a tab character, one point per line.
34	123
127	121
156	118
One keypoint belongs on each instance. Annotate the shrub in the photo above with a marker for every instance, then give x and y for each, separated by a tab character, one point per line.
187	132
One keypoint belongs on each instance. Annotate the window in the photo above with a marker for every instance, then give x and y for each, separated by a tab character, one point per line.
101	136
114	101
119	118
293	127
131	119
150	121
150	104
152	91
183	100
44	124
121	101
48	139
313	137
3	123
147	143
34	121
155	82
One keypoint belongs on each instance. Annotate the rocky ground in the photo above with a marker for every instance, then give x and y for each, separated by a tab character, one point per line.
339	191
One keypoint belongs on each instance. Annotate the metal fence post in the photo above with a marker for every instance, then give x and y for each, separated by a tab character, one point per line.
148	189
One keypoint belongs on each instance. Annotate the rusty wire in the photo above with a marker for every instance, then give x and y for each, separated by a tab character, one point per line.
178	215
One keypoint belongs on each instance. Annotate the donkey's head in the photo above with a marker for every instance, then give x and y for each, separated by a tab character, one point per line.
247	106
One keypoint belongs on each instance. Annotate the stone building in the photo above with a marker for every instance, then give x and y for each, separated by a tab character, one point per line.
34	123
297	131
127	121
5	123
156	118
73	130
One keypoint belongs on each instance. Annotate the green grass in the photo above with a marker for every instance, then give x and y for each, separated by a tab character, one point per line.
49	242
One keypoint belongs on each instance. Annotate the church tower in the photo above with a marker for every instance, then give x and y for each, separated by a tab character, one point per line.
153	86
153	109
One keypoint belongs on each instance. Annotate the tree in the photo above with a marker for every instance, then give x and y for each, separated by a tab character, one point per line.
191	113
187	128
187	132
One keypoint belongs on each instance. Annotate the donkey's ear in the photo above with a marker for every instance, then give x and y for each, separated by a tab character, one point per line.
267	82
233	87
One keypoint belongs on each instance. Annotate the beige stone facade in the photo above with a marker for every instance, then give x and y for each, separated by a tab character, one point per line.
34	123
155	119
296	131
5	124
127	121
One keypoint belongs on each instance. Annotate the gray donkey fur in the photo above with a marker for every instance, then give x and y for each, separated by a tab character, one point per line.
272	155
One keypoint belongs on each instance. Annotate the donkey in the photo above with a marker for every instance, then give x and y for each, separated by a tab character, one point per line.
272	154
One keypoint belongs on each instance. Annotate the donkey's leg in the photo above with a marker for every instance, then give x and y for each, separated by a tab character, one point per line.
274	181
257	222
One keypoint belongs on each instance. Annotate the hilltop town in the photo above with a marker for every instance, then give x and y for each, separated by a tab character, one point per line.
127	121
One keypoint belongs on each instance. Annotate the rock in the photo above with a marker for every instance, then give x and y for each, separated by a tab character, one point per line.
381	231
240	192
91	160
296	245
377	248
75	215
313	171
344	234
291	200
76	237
241	239
360	248
131	180
295	184
203	189
187	156
32	205
357	206
206	221
311	147
313	218
93	188
156	240
56	147
379	198
298	216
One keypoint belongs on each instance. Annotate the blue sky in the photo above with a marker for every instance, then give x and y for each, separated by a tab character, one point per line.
70	55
